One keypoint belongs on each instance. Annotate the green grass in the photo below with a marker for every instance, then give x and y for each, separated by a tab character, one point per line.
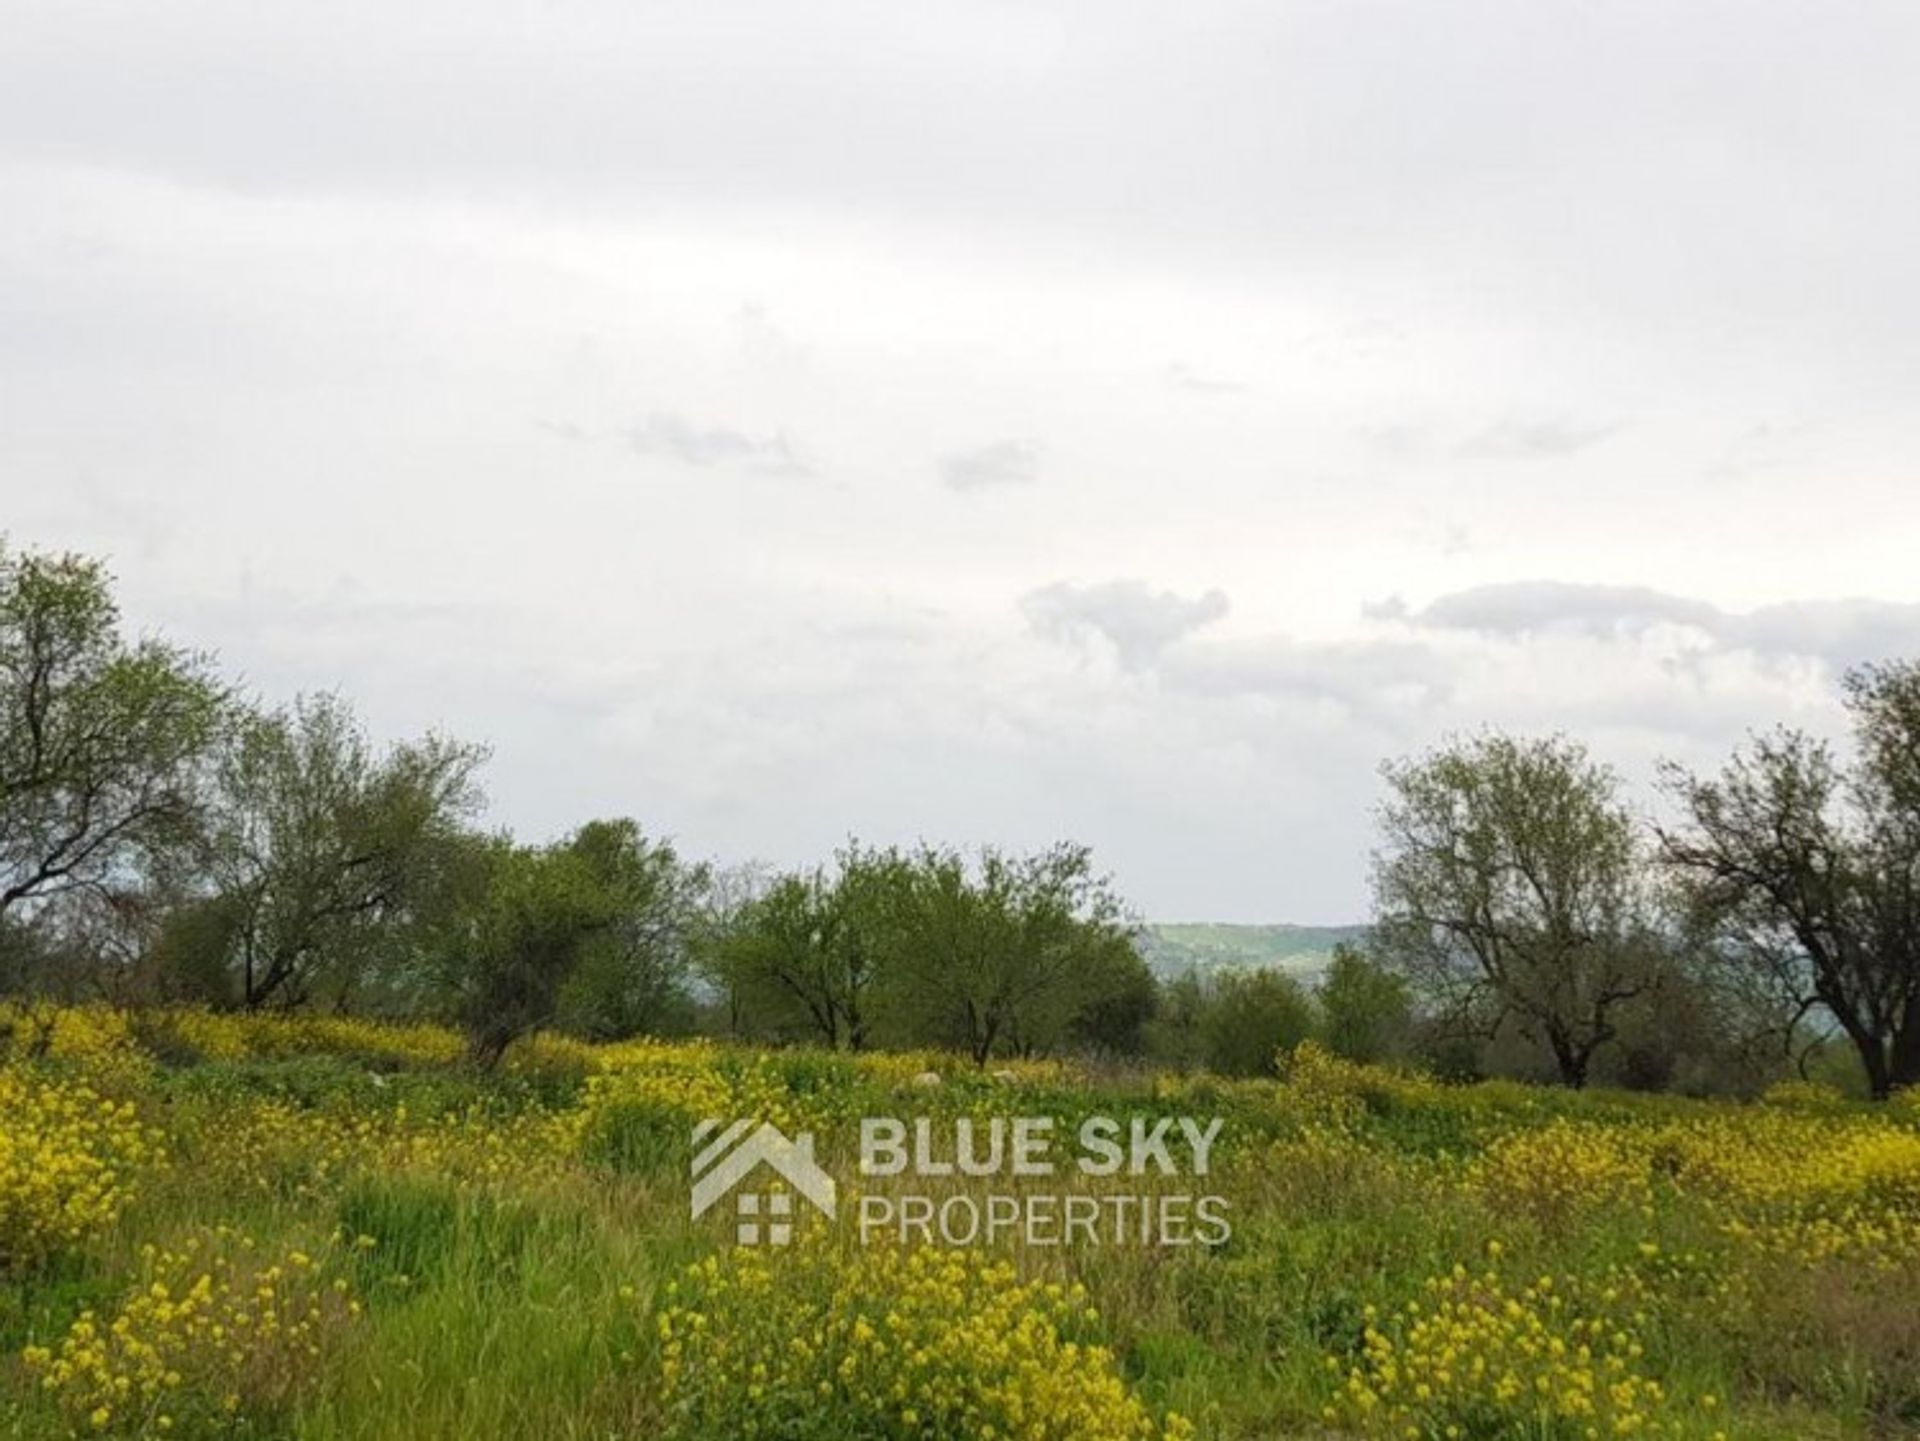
522	1304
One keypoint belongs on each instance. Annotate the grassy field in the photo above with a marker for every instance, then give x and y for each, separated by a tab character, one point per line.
328	1229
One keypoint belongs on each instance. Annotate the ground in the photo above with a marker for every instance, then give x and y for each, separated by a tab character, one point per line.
324	1228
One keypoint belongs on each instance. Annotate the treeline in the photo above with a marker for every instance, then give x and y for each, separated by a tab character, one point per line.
1770	918
165	839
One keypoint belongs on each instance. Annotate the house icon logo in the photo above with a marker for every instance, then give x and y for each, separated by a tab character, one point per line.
726	1156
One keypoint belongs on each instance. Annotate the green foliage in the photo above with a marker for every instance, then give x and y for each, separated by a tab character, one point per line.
101	739
513	949
1250	1019
1003	955
810	956
1803	870
1509	888
1118	1002
190	960
327	852
1006	956
636	1136
1366	1010
412	1233
632	975
1173	1036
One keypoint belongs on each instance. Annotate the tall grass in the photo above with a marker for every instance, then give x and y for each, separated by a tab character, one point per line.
511	1244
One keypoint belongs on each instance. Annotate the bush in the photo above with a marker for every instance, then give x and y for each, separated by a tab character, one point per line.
1541	1366
212	1327
67	1159
1368	1010
811	1344
1250	1018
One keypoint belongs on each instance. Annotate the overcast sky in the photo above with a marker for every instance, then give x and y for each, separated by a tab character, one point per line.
986	422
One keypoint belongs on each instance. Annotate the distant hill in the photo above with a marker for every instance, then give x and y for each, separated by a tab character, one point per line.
1303	951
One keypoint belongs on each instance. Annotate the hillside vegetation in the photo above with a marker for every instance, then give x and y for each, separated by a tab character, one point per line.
313	1227
1173	949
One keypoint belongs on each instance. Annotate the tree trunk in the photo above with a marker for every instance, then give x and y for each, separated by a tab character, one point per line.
1570	1058
486	1046
1903	1066
1873	1059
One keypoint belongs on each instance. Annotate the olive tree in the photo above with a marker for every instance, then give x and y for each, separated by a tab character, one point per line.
812	953
1251	1019
102	739
325	847
1366	1010
1009	954
506	954
1808	870
632	975
1509	888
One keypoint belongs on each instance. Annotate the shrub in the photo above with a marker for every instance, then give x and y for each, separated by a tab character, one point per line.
67	1161
213	1337
812	1344
1479	1358
1563	1170
1250	1018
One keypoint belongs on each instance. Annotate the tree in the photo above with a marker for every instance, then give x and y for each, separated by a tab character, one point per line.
1507	885
632	975
189	961
812	953
101	740
509	953
1810	873
1250	1018
1173	1036
724	915
1122	997
779	961
325	850
1007	955
1366	1010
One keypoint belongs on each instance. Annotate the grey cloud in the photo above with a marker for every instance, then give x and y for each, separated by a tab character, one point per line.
1376	677
1845	632
1005	462
664	433
1541	439
1467	137
1138	621
1522	607
1841	632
